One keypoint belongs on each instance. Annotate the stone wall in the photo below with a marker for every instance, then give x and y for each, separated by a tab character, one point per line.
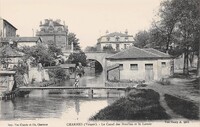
37	75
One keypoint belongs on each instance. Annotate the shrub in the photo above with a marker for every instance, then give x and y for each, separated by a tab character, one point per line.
182	107
140	104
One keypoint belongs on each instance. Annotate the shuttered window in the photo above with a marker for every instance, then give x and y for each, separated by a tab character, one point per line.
134	66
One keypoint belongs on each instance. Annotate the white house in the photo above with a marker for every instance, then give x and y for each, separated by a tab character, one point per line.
21	41
117	40
141	64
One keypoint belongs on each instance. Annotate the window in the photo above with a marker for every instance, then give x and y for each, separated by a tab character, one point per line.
121	66
108	38
148	66
163	64
117	38
117	47
59	29
126	38
134	66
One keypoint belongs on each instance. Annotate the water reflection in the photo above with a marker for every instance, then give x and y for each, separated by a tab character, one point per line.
60	104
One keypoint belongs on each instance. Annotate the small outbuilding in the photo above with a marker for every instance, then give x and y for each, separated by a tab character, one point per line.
137	64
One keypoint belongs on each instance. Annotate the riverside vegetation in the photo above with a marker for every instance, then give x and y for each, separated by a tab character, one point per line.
139	104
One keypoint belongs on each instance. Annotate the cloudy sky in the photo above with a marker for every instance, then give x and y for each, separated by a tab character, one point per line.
89	19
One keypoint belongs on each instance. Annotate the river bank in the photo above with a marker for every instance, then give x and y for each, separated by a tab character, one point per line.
178	99
139	104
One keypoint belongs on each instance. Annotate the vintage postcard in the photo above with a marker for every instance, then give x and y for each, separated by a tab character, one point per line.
68	63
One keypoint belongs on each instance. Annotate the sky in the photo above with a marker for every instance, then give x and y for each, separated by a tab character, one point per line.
88	19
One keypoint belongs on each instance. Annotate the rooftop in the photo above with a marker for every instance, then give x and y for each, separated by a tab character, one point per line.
116	34
49	22
20	39
137	53
8	22
7	72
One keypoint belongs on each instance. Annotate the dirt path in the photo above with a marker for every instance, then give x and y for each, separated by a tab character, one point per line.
177	88
168	109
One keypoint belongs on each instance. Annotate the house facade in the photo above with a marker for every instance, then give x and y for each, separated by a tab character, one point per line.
7	29
117	40
53	32
21	41
141	64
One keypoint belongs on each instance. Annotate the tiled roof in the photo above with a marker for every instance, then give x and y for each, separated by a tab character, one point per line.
161	54
137	53
116	34
7	51
20	39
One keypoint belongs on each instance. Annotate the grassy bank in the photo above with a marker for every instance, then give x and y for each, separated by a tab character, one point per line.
141	104
182	107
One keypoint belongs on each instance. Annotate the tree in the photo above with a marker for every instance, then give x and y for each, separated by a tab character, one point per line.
54	50
108	48
91	48
198	40
40	53
73	39
141	39
180	20
75	58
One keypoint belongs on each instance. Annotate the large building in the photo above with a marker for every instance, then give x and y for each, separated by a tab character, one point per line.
6	29
140	64
117	41
53	32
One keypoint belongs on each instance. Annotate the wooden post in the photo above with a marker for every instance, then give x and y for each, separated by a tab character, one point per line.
107	94
90	93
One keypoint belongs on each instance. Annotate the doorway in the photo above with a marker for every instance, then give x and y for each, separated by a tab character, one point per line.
149	74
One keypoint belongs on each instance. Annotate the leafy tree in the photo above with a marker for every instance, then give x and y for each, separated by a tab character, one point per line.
91	48
75	58
108	49
73	39
141	39
54	50
40	53
179	24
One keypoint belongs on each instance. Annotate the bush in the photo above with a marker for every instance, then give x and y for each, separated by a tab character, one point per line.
140	104
182	107
58	73
76	58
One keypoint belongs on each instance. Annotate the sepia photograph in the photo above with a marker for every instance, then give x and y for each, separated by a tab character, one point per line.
99	63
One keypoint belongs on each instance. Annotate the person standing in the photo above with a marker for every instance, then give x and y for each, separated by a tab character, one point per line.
77	80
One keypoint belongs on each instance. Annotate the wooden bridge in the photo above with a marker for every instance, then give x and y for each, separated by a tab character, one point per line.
72	88
90	89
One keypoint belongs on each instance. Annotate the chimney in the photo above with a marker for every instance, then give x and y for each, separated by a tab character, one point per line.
126	32
58	20
46	21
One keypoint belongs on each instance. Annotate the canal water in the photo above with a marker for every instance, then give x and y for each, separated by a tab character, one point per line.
61	104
